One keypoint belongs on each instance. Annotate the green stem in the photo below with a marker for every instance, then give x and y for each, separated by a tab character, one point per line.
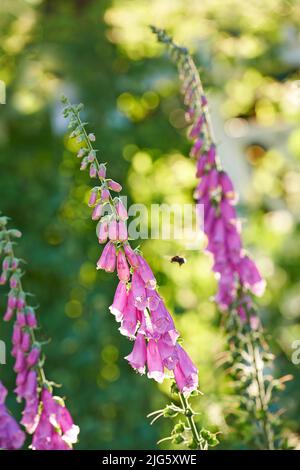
263	403
41	373
91	148
189	415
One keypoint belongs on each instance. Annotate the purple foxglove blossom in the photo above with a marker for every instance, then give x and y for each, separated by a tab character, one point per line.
185	372
131	256
102	171
161	320
202	187
226	288
12	301
20	363
11	436
33	357
114	186
105	195
153	299
122	267
30	388
122	231
213	179
119	302
103	232
6	264
31	318
8	314
26	341
93	198
146	273
167	351
196	149
97	212
201	166
93	171
228	212
107	260
21	302
121	211
113	230
55	429
218	235
60	419
226	185
30	414
138	357
250	276
234	245
154	362
130	318
17	334
21	377
43	435
138	291
211	155
196	128
84	164
13	282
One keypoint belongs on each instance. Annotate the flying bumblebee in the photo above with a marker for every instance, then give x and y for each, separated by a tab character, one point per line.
178	259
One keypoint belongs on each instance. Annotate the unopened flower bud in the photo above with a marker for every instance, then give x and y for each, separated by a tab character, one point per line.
105	194
30	317
113	230
103	232
97	212
33	356
91	156
121	211
93	171
122	231
84	164
114	186
102	171
93	198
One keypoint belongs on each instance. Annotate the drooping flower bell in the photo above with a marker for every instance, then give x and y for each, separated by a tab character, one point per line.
11	436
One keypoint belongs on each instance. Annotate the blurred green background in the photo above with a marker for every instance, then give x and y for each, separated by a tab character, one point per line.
102	53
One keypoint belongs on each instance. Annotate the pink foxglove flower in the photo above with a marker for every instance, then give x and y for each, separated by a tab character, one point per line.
122	267
137	305
121	211
120	300
154	362
114	186
55	430
138	357
30	375
186	373
122	231
11	436
131	256
107	260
